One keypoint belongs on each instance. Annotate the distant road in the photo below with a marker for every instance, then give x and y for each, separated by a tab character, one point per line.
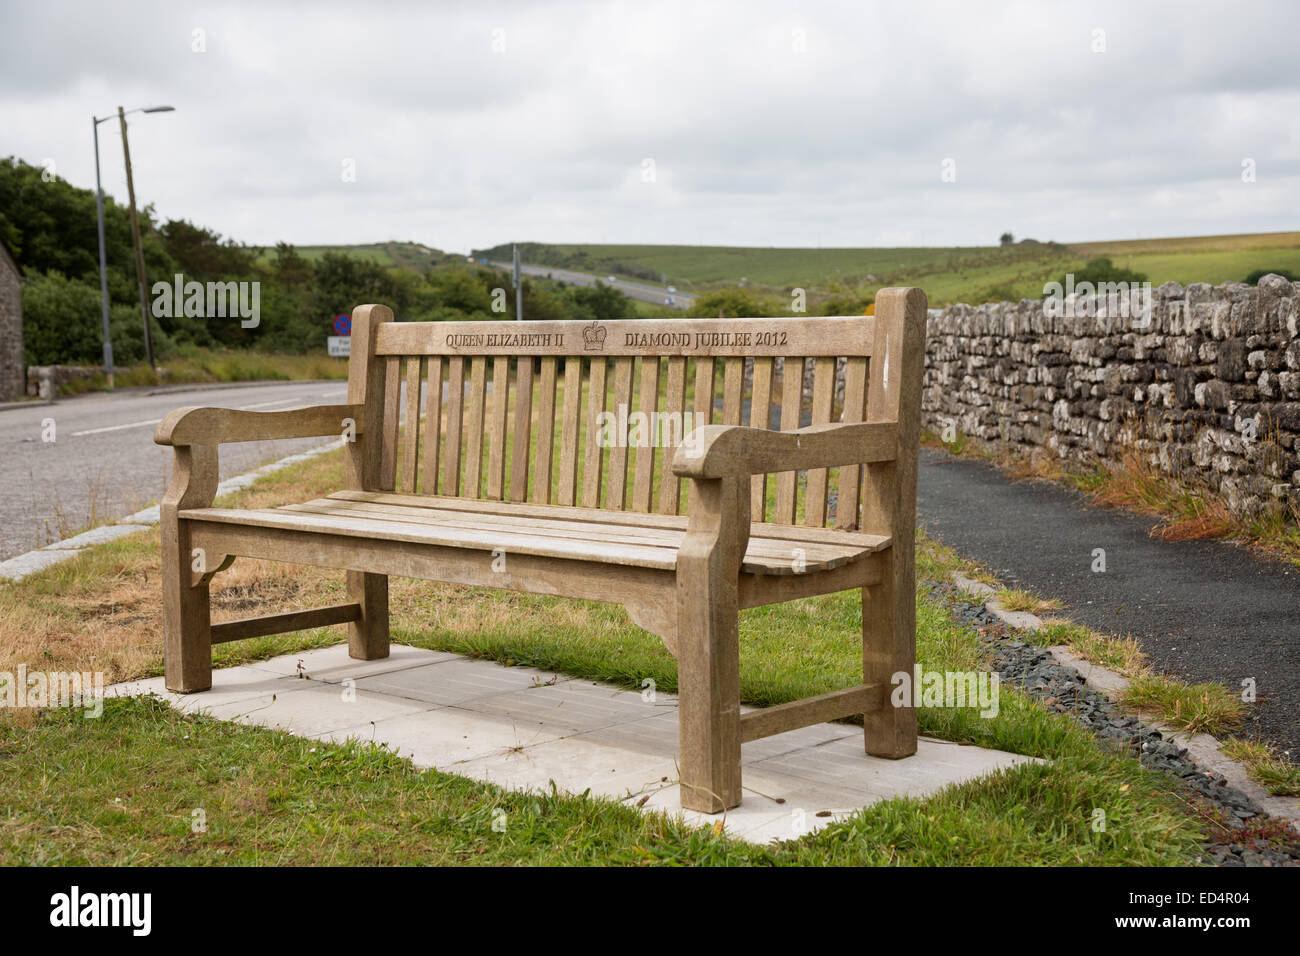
103	464
635	290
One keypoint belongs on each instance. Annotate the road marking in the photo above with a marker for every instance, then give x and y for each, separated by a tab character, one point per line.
155	421
115	428
279	401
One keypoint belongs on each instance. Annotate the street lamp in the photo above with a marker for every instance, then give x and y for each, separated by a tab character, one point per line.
135	228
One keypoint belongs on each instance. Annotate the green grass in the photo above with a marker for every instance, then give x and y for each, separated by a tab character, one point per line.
948	274
122	789
1121	654
1013	599
1269	769
1198	708
193	365
414	256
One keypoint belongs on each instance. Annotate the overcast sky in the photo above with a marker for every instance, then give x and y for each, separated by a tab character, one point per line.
747	123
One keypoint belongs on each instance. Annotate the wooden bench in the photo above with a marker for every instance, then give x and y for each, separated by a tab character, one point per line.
476	492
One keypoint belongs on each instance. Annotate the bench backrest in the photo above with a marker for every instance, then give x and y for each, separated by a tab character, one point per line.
581	414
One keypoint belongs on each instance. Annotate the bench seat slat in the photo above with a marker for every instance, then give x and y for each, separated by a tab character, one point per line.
822	556
601	542
870	542
486	539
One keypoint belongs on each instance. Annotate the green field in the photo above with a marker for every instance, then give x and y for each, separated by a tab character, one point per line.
393	255
948	274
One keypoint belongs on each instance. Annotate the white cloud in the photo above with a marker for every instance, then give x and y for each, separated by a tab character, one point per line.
768	123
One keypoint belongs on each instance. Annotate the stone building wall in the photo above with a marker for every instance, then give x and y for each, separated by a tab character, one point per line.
1206	387
13	378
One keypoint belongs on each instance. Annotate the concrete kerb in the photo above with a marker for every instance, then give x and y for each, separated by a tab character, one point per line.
16	568
1205	749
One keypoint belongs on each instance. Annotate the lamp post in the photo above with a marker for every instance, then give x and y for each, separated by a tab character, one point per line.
139	253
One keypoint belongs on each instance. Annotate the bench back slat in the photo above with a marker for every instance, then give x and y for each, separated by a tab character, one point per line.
675	407
616	495
647	405
792	369
432	424
523	429
568	490
760	416
823	399
392	396
593	456
502	422
855	410
545	443
455	415
475	401
411	414
496	428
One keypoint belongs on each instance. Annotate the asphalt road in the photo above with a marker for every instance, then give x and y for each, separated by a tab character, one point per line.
103	464
635	290
1201	610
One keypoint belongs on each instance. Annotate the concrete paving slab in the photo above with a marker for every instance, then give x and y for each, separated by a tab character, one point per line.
576	764
230	685
332	664
315	709
457	681
447	738
524	729
568	707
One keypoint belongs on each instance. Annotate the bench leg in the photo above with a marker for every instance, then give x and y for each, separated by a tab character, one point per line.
368	636
708	677
889	647
187	620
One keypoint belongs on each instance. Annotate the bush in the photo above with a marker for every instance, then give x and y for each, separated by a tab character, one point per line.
1287	274
1101	269
63	324
731	304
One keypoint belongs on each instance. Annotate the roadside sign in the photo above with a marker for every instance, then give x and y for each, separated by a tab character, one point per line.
340	346
343	324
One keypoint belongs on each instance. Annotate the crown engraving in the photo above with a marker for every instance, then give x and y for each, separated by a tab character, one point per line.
593	337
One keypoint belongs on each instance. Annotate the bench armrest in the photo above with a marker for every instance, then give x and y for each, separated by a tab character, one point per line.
216	426
717	451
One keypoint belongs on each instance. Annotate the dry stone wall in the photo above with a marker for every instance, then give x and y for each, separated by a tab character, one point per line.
1205	386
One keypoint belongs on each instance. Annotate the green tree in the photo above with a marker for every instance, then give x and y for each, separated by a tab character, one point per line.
63	324
201	254
1101	269
589	303
732	303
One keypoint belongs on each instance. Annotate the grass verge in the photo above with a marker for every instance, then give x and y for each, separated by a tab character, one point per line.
1265	765
123	789
1185	513
1197	708
1121	654
191	366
